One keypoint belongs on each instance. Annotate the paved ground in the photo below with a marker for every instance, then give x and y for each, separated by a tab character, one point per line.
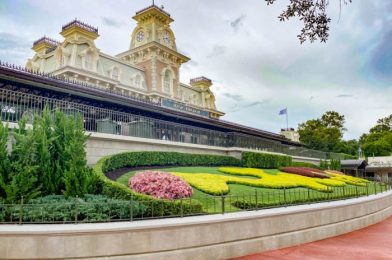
371	243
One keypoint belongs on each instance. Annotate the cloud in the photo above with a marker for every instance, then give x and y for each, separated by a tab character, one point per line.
256	103
217	50
236	97
257	69
111	22
12	41
237	23
345	96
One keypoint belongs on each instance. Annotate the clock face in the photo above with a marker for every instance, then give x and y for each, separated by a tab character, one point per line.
140	36
166	38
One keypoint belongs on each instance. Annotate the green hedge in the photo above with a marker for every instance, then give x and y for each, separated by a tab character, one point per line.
154	206
264	160
304	164
137	159
58	208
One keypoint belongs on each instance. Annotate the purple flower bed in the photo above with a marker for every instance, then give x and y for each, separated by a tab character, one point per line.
160	185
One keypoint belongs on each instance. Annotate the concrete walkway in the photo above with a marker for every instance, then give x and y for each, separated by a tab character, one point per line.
374	242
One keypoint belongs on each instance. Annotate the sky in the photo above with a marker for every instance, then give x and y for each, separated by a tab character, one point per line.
256	62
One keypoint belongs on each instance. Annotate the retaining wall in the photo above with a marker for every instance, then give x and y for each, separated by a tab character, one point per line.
100	145
203	237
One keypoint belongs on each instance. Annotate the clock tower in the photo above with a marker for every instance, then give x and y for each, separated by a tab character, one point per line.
153	48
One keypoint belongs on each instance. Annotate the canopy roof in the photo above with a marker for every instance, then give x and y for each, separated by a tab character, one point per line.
360	164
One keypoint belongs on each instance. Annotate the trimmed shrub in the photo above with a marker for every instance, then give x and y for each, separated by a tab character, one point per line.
304	164
160	185
154	207
137	159
88	208
304	171
264	160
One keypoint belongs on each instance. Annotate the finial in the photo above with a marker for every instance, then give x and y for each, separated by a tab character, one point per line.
153	2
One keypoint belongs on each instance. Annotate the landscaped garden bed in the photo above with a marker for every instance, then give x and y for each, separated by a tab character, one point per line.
45	179
229	189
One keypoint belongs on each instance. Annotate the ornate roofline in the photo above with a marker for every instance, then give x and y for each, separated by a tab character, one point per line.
80	24
47	40
152	6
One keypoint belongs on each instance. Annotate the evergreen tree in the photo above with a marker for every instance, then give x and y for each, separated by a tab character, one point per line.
5	163
77	177
23	175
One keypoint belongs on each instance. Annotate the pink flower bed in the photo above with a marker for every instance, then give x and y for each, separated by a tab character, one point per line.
160	185
305	171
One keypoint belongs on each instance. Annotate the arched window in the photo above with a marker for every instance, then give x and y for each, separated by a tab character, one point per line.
167	81
88	61
115	73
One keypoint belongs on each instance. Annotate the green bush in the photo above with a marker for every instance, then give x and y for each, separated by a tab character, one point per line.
264	160
137	159
304	164
154	206
58	208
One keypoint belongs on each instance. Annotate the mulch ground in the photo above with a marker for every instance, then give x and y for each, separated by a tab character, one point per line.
114	175
371	243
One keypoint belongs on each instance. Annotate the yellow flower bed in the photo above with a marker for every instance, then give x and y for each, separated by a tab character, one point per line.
346	178
206	182
218	184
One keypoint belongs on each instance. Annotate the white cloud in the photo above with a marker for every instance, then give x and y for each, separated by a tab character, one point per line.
255	61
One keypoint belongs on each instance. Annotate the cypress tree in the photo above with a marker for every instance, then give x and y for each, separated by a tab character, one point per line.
77	177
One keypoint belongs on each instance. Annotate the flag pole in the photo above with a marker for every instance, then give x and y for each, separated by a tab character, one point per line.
287	119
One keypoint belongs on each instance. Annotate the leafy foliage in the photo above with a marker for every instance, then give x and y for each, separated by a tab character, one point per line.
304	164
116	190
46	158
323	133
378	142
160	185
313	13
58	208
133	159
263	160
326	133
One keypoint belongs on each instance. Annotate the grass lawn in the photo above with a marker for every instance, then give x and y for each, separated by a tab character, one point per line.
245	197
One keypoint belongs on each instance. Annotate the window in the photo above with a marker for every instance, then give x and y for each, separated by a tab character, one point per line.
88	61
115	73
167	82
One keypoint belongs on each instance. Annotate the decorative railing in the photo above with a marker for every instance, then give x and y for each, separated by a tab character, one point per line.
80	24
201	79
151	6
47	40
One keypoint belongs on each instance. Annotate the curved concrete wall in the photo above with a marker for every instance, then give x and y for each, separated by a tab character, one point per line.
100	145
203	237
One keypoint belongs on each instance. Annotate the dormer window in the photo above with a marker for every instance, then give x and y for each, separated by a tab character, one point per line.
115	73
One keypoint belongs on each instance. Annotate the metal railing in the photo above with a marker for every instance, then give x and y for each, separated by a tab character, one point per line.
76	212
14	105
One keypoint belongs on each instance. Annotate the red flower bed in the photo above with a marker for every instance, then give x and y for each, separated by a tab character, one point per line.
160	185
305	171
